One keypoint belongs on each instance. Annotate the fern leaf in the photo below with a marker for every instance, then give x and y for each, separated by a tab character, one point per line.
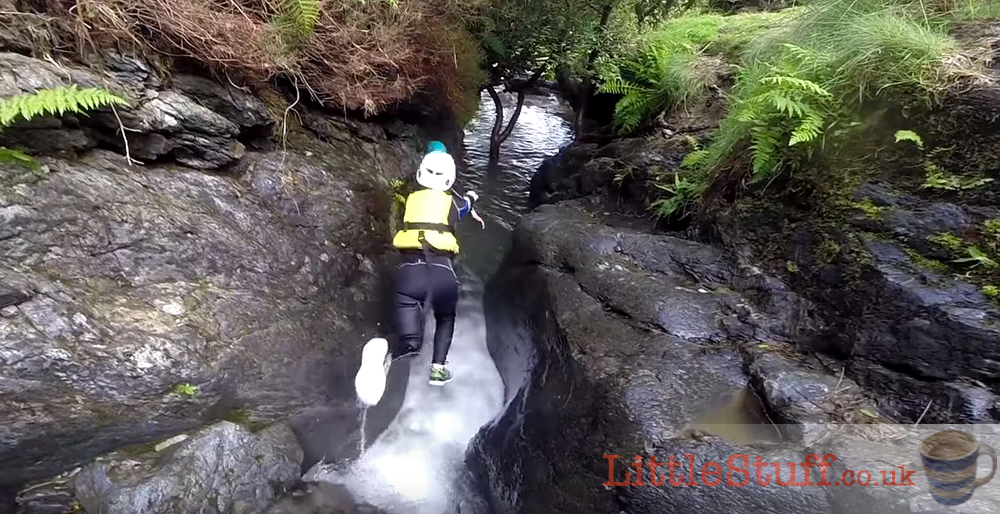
909	135
694	159
797	83
297	20
765	149
617	86
55	101
809	129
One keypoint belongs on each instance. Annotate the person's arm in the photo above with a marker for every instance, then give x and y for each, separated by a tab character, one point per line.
460	206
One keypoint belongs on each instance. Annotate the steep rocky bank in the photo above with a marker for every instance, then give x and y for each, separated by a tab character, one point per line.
230	275
824	299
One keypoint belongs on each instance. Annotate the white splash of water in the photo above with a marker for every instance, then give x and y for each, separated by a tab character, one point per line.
362	427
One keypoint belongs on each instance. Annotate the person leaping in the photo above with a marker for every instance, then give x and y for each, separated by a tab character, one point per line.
427	245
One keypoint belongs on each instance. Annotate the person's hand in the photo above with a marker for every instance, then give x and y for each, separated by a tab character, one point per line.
476	217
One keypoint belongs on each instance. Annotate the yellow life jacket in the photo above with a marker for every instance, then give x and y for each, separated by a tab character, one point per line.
427	212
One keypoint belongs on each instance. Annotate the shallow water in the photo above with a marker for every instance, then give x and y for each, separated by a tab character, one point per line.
417	464
541	130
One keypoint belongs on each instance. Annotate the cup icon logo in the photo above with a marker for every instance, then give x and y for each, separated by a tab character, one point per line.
950	458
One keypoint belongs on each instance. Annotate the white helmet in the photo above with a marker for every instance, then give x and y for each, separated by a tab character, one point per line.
436	171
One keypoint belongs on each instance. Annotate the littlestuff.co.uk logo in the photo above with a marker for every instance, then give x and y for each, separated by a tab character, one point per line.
740	470
950	460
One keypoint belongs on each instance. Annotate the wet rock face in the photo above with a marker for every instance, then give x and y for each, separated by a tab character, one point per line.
614	344
140	301
913	332
221	468
194	121
619	171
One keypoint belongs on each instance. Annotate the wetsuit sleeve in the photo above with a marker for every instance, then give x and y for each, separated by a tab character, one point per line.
463	206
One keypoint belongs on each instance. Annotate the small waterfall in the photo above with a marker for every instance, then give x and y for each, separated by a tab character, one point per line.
417	464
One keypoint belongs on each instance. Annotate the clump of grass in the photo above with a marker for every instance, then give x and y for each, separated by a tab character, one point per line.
804	85
677	62
976	9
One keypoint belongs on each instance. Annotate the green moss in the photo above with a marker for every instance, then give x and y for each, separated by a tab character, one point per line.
926	263
826	251
870	209
949	242
792	267
398	205
991	234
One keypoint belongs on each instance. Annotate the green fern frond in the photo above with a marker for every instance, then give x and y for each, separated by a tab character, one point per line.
632	110
694	159
808	130
617	86
766	141
802	84
55	101
297	21
786	104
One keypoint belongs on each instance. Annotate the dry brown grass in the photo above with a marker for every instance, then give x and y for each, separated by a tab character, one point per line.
362	56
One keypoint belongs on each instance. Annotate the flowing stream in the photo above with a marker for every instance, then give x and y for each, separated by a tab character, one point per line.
417	464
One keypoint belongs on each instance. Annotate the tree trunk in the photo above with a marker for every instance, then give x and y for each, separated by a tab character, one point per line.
499	133
497	125
588	82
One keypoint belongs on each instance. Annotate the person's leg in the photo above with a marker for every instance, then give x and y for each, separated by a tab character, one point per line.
411	291
377	356
409	326
445	300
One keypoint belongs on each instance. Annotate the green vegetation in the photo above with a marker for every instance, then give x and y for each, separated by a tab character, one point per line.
806	80
186	389
524	40
673	64
870	209
297	21
950	242
991	234
826	251
54	101
924	262
977	258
